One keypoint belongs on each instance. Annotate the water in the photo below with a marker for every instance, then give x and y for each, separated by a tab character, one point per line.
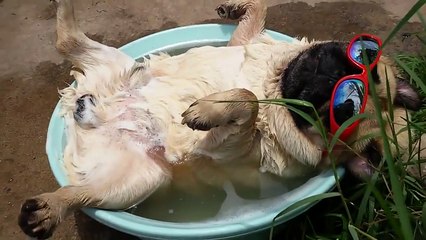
192	200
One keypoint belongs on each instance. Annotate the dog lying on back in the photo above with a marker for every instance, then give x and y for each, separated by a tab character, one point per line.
128	123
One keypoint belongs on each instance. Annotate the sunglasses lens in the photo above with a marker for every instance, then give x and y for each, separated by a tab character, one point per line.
348	99
371	49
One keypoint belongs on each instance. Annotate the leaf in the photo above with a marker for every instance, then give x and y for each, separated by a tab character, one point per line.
424	217
413	75
404	20
285	102
345	125
305	202
367	136
353	232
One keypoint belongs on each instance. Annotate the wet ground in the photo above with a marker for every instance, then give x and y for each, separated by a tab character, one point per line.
31	72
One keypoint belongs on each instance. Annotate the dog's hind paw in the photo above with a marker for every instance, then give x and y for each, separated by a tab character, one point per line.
37	218
231	10
194	118
84	113
231	108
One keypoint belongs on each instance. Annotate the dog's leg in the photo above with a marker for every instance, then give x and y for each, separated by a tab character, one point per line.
41	214
232	140
83	52
121	180
252	15
230	118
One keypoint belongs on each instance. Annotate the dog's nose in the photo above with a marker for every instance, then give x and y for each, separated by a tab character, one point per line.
84	113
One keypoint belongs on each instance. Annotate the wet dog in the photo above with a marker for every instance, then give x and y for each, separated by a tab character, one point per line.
128	123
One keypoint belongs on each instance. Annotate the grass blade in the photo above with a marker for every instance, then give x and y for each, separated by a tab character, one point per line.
305	202
422	20
353	232
424	217
405	228
289	102
419	82
404	20
345	125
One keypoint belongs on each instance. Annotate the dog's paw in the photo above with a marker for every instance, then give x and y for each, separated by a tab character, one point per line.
230	10
195	117
36	219
54	2
84	113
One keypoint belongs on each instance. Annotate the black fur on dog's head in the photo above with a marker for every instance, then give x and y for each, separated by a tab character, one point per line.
312	75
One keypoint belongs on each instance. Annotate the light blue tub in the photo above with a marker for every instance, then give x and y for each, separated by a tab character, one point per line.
180	38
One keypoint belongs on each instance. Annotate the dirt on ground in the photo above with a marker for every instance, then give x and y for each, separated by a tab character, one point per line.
31	72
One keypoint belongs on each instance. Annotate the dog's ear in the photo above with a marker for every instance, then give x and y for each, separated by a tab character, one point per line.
407	96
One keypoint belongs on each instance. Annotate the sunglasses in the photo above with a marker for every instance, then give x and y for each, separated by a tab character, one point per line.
350	93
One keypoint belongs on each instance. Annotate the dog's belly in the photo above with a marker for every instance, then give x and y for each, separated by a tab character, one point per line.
179	81
205	70
147	117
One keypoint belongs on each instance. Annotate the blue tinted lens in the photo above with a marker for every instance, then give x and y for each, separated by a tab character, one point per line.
371	49
348	100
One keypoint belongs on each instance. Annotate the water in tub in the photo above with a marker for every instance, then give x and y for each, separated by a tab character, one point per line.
200	201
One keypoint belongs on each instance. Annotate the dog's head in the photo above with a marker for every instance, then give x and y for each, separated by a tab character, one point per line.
312	76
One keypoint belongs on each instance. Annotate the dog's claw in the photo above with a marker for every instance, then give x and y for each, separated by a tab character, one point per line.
221	11
34	220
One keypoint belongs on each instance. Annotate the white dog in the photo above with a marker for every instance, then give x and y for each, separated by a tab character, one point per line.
128	123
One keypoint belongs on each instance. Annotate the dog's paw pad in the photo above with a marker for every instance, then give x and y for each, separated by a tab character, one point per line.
230	11
35	220
194	119
196	124
83	113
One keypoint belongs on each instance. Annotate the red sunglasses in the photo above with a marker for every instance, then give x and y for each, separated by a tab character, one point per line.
351	91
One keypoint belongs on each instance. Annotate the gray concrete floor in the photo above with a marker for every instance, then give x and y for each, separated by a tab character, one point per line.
31	72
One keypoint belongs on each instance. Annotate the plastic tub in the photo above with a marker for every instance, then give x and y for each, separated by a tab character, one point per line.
176	40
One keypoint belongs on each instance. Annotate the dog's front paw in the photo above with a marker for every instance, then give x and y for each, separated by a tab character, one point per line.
36	218
230	10
195	117
54	2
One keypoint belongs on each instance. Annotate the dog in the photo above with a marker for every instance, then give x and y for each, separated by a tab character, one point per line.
128	123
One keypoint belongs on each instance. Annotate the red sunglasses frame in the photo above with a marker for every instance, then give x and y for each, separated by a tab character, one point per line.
363	76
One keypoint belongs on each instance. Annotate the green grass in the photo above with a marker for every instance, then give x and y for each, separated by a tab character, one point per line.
392	204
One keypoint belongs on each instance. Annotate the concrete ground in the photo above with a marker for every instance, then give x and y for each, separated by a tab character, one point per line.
31	72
